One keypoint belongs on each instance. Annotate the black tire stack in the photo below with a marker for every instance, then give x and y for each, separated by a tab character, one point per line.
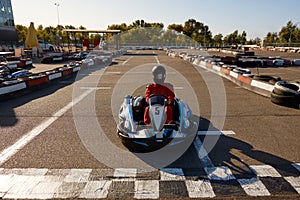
286	94
266	78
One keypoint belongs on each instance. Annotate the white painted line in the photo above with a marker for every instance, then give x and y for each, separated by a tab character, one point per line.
254	187
95	190
112	73
6	182
78	175
296	165
215	133
127	60
199	189
262	85
221	173
95	88
125	174
22	186
148	189
264	171
178	88
171	174
202	154
25	139
45	189
156	58
295	182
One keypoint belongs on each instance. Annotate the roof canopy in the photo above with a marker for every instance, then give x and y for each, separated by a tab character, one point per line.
91	31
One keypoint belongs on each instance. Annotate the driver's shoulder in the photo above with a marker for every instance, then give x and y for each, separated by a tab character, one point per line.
150	85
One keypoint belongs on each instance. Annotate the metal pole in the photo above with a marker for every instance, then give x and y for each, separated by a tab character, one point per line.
57	5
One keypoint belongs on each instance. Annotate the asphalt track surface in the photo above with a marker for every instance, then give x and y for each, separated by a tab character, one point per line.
260	157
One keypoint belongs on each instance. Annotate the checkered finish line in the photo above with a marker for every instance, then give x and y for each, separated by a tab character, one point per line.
34	183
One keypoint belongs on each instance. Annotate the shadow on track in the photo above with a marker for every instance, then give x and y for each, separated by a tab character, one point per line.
223	153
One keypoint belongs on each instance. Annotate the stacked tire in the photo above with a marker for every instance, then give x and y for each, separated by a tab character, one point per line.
286	94
266	78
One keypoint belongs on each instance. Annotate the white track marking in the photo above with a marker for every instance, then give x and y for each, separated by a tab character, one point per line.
171	174
127	60
95	88
220	173
199	189
25	139
202	153
78	175
156	58
265	171
296	165
215	133
43	183
254	187
112	73
146	189
125	174
95	190
295	182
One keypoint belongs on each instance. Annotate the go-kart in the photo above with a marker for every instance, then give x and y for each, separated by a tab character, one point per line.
137	136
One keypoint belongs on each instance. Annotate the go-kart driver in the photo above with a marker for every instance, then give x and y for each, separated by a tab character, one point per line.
160	87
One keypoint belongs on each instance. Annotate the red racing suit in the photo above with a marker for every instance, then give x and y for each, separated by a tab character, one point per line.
165	89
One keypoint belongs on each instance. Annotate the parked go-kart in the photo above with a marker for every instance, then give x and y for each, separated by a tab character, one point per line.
139	137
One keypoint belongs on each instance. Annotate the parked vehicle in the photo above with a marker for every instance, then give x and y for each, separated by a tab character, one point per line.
20	74
296	62
4	71
46	46
80	56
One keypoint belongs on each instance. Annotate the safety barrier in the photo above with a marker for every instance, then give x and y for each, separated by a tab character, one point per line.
11	87
244	80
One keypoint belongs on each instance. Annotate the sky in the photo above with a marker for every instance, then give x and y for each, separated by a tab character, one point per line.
256	17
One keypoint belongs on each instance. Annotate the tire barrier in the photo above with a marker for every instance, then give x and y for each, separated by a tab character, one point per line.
265	78
279	91
286	100
286	94
11	87
286	88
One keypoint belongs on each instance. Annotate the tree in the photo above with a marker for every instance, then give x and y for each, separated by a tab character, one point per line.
176	27
122	27
142	23
243	38
286	32
272	38
296	35
193	29
218	39
22	32
235	38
